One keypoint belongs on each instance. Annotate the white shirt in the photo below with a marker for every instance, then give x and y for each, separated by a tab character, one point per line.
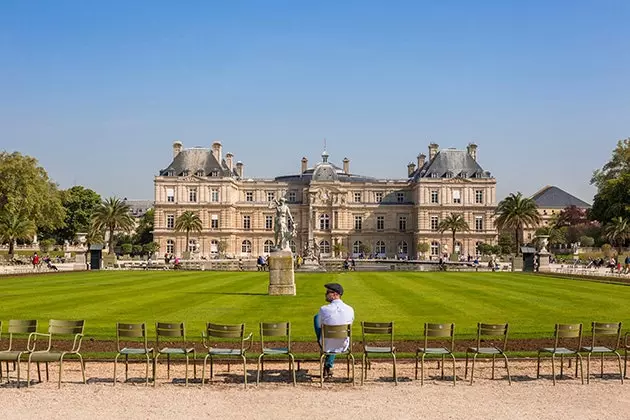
336	313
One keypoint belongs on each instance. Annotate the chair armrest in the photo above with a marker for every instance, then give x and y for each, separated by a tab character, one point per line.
249	338
76	344
34	336
625	339
204	340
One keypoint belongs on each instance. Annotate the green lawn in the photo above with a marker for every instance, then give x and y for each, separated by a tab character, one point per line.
531	304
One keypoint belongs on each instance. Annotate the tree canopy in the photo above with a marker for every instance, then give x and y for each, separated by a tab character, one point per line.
613	186
618	165
112	215
186	222
79	204
455	223
516	211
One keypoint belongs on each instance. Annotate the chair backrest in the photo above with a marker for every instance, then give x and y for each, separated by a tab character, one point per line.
485	331
18	327
131	332
565	332
377	330
65	327
606	329
170	330
276	330
336	332
226	332
439	332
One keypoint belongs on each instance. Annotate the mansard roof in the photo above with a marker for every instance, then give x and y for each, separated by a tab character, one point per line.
450	163
197	159
554	197
324	171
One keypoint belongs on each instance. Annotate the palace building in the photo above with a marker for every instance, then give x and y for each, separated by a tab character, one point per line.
336	211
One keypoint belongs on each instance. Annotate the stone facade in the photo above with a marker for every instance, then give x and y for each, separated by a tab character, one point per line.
334	209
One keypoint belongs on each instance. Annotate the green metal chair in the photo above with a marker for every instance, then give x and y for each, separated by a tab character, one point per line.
58	328
276	330
225	334
18	329
377	333
336	332
172	331
600	331
435	332
138	334
626	347
563	333
485	332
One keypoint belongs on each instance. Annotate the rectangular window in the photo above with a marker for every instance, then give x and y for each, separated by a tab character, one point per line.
268	222
271	195
247	222
478	222
357	197
214	221
435	222
170	195
434	197
192	195
291	197
380	222
214	195
336	219
249	196
400	197
358	222
378	196
402	223
457	197
170	221
479	197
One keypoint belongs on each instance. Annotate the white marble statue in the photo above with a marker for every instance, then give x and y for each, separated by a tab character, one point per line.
284	226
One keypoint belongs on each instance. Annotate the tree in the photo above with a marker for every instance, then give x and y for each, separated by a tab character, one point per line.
587	241
485	249
455	223
618	165
222	246
126	249
27	192
556	235
13	227
571	216
617	231
144	231
79	204
514	212
137	249
364	248
423	248
186	222
506	244
46	245
112	215
338	249
612	200
150	248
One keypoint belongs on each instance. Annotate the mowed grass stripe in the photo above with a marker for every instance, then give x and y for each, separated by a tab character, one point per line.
530	303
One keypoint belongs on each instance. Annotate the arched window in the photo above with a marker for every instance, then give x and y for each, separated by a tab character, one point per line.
246	247
477	252
435	248
267	246
192	245
402	247
324	247
214	246
170	246
293	246
199	172
458	247
356	247
380	247
324	222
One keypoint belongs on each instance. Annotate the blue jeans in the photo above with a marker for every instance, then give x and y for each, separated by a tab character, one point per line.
330	359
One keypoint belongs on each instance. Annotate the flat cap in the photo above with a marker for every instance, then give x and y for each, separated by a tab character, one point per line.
335	287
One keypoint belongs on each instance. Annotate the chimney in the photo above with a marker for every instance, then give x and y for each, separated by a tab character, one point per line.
472	150
304	164
239	169
216	150
411	168
228	161
177	147
346	165
421	158
433	149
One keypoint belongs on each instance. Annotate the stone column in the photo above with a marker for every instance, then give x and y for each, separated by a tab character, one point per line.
281	274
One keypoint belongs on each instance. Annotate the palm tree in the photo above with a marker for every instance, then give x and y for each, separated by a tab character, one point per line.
112	215
455	223
516	211
338	249
186	222
14	226
617	231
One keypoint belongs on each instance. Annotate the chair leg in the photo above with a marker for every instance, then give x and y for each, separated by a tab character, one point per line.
258	365
601	369
553	367
194	354
579	356
472	368
454	371
28	372
466	368
353	378
186	369
155	363
321	370
82	367
244	370
203	370
538	365
60	370
147	369
588	368
417	354
422	369
442	367
47	373
115	365
168	366
561	366
126	367
625	362
493	357
363	369
395	374
507	368
620	370
293	369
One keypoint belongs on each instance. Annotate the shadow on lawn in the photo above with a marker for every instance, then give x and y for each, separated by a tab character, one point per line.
230	293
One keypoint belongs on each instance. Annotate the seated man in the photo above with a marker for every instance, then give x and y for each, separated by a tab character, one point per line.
335	313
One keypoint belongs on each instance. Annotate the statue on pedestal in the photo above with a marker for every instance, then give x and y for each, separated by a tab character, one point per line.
284	225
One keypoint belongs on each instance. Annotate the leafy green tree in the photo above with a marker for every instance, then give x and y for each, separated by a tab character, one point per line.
150	248
485	249
587	241
137	249
612	200
79	204
365	248
13	227
112	215
506	244
339	249
126	249
423	248
617	231
556	235
222	246
27	192
144	230
455	223
188	221
617	166
46	245
514	212
571	216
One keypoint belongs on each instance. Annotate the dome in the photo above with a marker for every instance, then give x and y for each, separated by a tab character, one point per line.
324	172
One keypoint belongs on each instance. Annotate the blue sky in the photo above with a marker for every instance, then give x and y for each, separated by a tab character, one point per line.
98	91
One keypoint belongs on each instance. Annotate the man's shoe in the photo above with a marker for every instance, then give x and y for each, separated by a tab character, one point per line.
328	372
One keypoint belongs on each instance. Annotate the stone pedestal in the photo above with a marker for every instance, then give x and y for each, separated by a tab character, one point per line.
281	275
544	261
79	262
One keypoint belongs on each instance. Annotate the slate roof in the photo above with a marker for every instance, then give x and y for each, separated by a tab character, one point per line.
195	159
139	207
554	197
324	171
451	163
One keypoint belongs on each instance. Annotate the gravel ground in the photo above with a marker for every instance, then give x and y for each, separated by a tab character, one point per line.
226	397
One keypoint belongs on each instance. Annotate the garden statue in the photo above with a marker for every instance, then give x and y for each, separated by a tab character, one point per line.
284	226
